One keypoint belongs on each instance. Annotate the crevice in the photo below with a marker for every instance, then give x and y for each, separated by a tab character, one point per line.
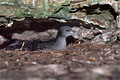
93	9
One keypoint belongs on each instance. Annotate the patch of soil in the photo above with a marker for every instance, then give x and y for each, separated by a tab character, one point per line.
78	56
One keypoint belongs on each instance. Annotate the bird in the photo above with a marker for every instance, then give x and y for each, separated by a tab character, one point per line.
60	41
55	44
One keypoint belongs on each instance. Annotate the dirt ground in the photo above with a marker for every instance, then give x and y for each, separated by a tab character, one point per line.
79	61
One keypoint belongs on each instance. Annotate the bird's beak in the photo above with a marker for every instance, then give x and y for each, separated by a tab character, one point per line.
75	35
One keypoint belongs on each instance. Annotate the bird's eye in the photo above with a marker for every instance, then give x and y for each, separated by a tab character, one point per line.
68	30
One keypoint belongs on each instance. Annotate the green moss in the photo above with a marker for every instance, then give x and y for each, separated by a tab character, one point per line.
6	3
18	9
106	15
